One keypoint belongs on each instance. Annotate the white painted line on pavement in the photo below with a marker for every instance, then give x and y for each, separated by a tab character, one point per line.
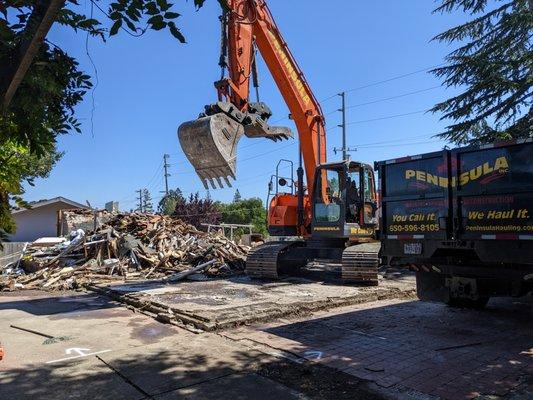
81	354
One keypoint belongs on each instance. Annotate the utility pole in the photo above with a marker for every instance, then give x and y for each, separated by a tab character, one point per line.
166	165
344	148
343	125
140	191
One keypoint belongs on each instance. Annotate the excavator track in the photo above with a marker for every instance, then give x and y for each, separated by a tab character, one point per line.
360	263
263	261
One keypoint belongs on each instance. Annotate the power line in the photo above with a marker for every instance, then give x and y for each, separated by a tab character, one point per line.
386	117
401	144
394	140
394	97
385	80
254	156
157	174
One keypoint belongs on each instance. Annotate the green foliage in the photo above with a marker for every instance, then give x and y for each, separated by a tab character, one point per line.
245	211
43	106
494	63
18	165
44	103
167	205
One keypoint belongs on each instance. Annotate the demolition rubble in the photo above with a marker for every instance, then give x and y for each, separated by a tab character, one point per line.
122	247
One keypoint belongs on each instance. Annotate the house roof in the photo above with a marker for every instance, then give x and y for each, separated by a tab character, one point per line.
45	202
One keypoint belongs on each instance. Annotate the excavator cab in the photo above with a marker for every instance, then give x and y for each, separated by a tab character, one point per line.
344	202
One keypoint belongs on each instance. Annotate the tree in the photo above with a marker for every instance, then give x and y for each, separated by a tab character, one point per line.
167	205
147	204
197	211
237	196
245	211
43	105
494	65
19	166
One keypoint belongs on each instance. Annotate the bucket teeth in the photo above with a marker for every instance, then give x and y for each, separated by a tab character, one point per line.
210	144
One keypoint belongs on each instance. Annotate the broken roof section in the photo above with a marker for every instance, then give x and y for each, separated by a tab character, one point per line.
45	202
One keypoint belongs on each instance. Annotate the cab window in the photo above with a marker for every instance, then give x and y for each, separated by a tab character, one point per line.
369	192
329	198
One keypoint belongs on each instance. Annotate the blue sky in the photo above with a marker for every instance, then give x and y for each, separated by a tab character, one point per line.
148	86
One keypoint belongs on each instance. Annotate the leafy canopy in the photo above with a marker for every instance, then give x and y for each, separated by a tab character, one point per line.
494	65
245	211
168	203
43	106
19	165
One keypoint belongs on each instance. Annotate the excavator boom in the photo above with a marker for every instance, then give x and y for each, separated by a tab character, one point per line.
330	223
210	142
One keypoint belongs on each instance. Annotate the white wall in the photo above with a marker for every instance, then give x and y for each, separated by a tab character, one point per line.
35	223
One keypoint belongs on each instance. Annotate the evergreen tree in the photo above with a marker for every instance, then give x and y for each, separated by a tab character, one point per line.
494	65
237	196
148	207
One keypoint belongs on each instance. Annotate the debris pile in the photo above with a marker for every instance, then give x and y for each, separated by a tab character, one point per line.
126	247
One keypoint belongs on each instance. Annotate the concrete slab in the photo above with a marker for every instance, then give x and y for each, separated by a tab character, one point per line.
88	380
234	387
109	351
84	321
219	304
160	368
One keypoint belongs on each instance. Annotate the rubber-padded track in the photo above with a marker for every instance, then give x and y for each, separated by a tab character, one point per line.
262	262
360	263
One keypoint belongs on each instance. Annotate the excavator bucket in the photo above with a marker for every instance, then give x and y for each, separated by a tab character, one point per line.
210	144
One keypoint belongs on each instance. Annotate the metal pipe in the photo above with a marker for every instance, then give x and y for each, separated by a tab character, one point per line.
318	140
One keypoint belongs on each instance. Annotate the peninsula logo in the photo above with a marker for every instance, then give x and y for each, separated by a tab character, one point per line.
485	173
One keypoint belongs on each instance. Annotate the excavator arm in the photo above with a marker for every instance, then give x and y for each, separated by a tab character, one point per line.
210	142
318	216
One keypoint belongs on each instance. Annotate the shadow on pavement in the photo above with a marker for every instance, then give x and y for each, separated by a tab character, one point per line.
170	374
427	347
44	304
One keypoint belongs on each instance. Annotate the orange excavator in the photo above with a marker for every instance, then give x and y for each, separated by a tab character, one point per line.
332	214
